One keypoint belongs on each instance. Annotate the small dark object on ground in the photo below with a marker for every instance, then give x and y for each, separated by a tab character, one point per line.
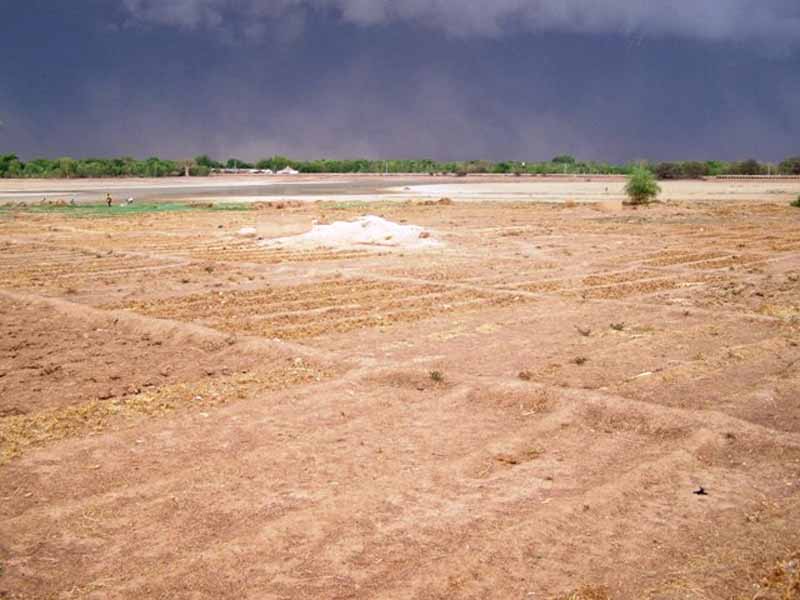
618	326
584	332
524	375
437	376
701	491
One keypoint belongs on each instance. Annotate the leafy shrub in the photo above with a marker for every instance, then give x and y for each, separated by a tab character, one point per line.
641	187
681	170
790	166
748	167
669	170
695	170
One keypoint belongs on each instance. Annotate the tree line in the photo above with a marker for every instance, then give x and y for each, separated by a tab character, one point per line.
11	166
560	164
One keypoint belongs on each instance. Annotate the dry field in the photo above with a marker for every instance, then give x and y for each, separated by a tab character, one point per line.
528	412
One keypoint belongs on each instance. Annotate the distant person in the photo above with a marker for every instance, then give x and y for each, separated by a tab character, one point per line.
109	201
130	200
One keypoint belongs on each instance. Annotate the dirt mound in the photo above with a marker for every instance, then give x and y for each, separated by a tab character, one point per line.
364	231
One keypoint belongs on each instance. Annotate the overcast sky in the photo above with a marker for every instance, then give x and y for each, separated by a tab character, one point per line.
610	80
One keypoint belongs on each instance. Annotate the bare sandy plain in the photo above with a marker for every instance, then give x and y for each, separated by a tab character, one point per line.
571	401
367	188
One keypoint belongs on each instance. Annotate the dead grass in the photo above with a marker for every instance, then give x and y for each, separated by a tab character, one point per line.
21	432
783	580
588	592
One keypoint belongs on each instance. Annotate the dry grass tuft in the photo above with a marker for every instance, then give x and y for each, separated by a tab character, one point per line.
436	376
783	580
587	592
21	432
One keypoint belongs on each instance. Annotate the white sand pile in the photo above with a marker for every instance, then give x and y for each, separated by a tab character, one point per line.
364	231
248	232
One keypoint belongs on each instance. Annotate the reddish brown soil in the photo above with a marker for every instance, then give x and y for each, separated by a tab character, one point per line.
526	413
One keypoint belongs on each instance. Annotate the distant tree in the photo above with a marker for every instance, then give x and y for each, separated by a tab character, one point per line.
235	163
642	187
680	170
717	167
199	170
479	166
695	170
748	167
67	167
276	163
790	166
186	166
668	170
564	159
157	167
39	167
209	163
6	162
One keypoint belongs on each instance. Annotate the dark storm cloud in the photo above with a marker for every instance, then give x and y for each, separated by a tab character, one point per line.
777	21
445	79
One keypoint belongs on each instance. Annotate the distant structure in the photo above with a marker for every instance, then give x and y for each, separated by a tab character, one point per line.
288	171
249	171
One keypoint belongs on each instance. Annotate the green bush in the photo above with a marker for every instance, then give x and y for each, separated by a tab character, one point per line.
695	169
642	187
790	166
748	167
204	161
199	171
681	170
669	170
796	203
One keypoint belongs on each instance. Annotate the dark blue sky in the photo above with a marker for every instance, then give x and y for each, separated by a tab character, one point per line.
449	79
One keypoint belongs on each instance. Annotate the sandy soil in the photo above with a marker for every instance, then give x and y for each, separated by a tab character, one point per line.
593	189
529	411
365	188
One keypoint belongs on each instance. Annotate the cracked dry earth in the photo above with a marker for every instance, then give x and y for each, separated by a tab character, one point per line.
524	413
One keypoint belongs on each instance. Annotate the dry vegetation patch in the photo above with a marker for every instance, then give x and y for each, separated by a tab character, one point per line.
20	432
532	407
